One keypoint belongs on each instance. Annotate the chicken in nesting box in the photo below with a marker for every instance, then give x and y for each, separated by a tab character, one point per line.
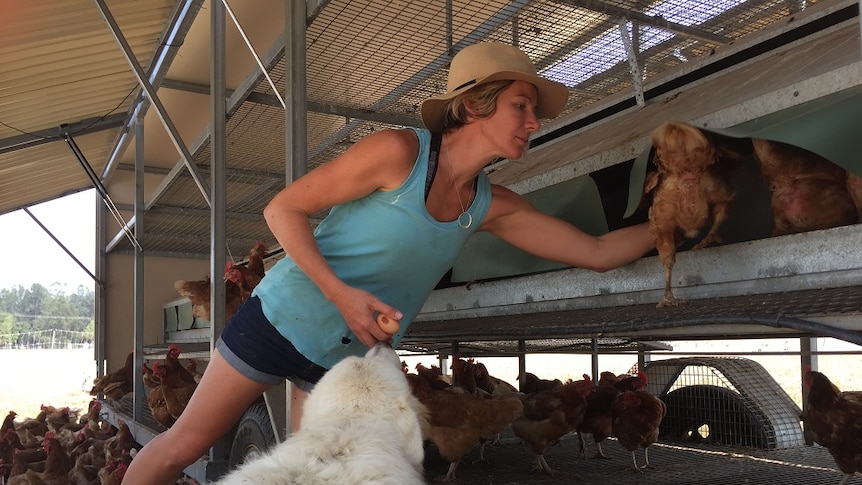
690	192
808	192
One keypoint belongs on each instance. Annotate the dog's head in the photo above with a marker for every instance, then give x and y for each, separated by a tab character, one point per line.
370	385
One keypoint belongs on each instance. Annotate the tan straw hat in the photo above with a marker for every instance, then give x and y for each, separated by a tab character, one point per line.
493	61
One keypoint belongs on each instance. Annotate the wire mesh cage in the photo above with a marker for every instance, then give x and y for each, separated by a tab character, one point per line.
724	401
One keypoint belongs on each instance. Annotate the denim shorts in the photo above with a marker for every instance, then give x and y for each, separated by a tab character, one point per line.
254	347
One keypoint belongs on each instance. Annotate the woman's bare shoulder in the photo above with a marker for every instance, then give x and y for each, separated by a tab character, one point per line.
391	143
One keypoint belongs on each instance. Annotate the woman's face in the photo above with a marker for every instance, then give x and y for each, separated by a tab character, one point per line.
511	124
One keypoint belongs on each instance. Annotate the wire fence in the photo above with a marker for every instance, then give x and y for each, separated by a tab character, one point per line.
47	339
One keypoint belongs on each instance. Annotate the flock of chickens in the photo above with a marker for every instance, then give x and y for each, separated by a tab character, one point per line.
170	384
470	408
473	408
239	281
690	191
58	447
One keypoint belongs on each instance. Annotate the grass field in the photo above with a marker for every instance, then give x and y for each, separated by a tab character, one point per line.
64	377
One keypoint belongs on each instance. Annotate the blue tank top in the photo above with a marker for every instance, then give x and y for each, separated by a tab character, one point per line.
385	243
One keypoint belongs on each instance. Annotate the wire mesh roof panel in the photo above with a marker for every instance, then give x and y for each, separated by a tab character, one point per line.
384	58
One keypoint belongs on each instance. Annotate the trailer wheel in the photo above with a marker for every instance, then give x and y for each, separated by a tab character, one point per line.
254	435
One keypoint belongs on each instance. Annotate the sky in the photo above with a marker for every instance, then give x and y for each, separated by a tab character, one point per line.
31	256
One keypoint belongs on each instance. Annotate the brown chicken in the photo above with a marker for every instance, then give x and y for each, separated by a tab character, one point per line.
490	384
116	384
255	260
549	415
120	445
176	382
607	378
149	377
689	192
156	400
532	383
30	428
177	374
463	377
7	453
198	293
434	376
83	473
192	367
242	277
458	421
60	418
113	473
466	376
833	419
808	191
175	392
94	414
57	466
598	418
636	419
8	423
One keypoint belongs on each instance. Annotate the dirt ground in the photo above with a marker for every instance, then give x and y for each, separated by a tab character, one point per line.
37	376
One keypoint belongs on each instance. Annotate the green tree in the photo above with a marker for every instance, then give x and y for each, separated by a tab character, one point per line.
8	329
33	309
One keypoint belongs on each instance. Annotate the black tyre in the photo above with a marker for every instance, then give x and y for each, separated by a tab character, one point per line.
254	435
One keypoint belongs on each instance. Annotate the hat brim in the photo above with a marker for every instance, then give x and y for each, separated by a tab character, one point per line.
552	95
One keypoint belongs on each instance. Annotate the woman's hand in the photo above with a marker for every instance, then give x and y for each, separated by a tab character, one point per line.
360	309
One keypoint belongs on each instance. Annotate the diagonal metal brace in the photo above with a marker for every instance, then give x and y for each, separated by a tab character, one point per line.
173	134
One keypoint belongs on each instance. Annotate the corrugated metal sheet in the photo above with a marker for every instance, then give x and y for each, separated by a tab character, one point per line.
61	66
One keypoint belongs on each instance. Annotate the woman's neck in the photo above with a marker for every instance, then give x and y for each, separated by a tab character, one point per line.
464	155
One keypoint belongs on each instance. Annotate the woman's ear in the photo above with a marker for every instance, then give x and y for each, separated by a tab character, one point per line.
470	109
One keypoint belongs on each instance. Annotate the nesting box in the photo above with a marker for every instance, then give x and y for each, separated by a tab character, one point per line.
724	401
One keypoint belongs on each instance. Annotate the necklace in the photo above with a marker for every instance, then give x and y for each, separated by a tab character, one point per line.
465	219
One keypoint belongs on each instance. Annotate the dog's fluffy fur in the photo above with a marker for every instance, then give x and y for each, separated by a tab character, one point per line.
360	425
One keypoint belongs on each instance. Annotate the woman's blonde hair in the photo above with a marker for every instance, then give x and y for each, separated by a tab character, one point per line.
482	101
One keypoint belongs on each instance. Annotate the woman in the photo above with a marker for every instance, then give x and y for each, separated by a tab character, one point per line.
402	208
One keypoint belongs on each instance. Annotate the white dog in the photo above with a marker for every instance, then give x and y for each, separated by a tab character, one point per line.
360	425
